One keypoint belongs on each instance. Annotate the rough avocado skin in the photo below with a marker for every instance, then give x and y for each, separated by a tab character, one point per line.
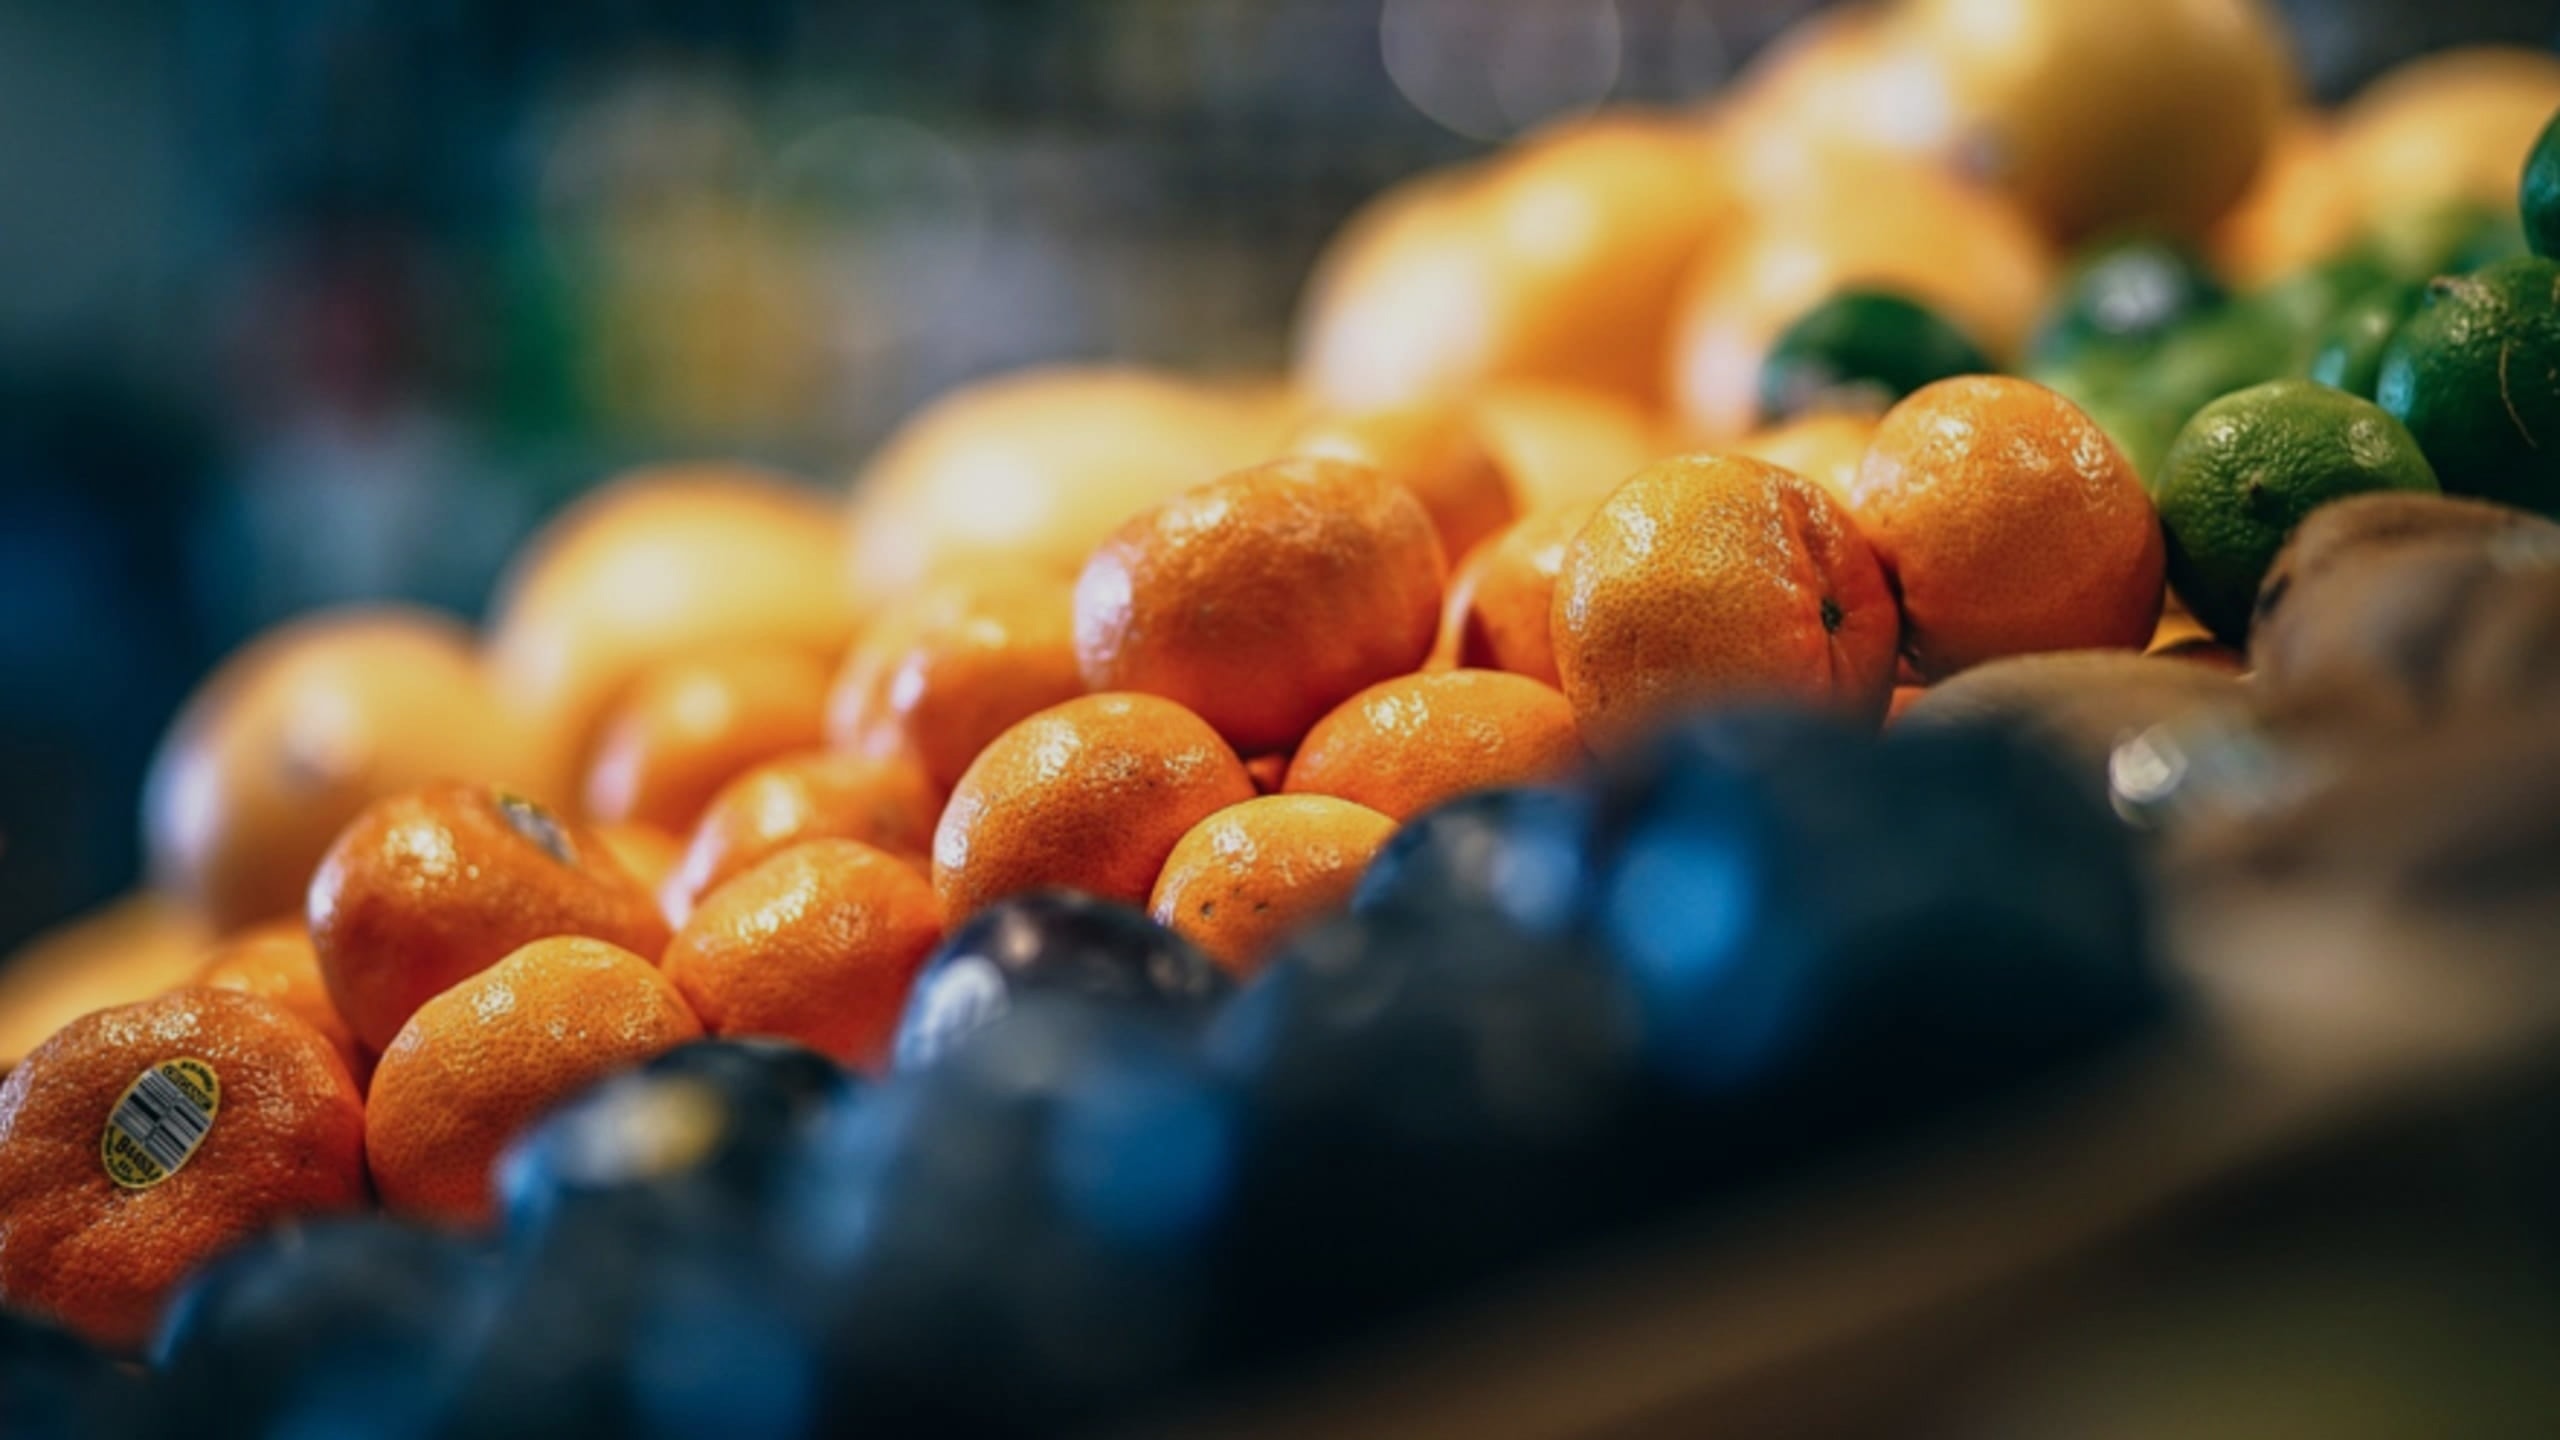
2475	375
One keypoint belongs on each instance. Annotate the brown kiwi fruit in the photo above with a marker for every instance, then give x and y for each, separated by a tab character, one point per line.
2507	654
2454	839
2084	702
2390	626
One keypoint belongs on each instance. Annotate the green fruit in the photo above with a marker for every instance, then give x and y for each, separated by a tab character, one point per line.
2350	353
2475	375
2231	349
2541	198
2447	240
2250	466
2304	304
1863	346
2130	292
2141	429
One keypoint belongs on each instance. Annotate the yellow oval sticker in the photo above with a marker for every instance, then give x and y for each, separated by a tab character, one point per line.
159	1122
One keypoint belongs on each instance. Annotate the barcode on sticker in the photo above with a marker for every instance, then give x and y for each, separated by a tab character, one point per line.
164	1115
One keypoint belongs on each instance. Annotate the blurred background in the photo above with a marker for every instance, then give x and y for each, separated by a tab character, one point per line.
305	301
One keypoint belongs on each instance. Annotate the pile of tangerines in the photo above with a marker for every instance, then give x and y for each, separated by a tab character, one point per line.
729	760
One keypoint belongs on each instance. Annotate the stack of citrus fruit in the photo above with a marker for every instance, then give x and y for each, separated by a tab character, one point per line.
1965	336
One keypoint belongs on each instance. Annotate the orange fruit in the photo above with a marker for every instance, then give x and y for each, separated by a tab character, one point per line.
1552	262
1825	447
1090	795
820	795
1250	876
2299	210
686	727
276	963
816	944
301	729
1435	451
1496	616
2175	627
128	949
1562	444
1712	576
1819	58
1405	745
2010	524
2102	118
2445	129
658	565
1268	772
1841	86
139	1142
649	853
1865	221
1904	697
481	1061
1027	472
429	888
1261	600
940	674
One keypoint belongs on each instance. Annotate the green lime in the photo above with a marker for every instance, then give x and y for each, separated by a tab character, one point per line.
2350	353
2249	466
2541	198
2307	302
1863	346
2231	349
2142	429
2475	375
2128	292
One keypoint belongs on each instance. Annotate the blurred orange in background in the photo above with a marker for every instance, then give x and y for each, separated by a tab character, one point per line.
660	564
1551	262
1864	219
296	734
1034	469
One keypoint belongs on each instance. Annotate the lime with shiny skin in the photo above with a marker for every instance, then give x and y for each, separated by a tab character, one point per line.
2248	467
2475	375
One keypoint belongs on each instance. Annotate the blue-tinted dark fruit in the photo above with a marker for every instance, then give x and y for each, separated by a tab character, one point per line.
699	1135
612	1325
1433	1100
1015	1238
340	1327
1053	942
1844	932
53	1386
1516	853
